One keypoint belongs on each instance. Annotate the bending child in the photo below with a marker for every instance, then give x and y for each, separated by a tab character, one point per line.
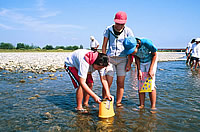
146	60
79	65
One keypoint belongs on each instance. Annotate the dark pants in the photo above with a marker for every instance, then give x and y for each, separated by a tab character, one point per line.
94	49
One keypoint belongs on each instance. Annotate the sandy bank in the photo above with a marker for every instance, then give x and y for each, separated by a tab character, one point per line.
53	61
170	56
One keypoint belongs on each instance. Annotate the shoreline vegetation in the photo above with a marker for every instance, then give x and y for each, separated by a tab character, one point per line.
63	50
34	50
52	60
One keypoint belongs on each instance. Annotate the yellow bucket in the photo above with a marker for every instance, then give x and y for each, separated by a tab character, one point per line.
106	108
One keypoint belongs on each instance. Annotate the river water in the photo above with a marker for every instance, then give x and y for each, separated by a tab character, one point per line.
43	103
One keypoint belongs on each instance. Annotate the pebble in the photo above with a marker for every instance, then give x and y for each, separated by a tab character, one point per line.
53	78
32	98
40	62
51	75
48	114
36	62
37	95
40	79
22	81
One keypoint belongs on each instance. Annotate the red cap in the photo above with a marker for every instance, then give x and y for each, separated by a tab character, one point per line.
120	17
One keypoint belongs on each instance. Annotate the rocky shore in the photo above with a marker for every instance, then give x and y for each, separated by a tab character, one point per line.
40	62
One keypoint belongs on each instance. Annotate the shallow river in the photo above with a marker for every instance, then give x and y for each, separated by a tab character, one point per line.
43	103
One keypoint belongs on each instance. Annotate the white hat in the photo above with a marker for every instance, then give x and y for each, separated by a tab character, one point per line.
197	39
92	37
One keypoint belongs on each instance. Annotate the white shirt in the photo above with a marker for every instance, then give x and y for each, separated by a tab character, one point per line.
116	47
189	46
94	43
196	50
77	59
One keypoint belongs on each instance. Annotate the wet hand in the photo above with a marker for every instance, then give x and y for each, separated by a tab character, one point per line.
97	100
110	97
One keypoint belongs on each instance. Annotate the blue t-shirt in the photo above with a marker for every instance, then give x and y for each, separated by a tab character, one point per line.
144	52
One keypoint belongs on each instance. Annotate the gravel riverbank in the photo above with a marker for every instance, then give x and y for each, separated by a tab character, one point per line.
53	61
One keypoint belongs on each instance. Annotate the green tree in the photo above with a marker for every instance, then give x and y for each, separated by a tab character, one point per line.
81	46
20	46
6	46
59	47
72	47
75	47
48	47
26	46
68	48
34	47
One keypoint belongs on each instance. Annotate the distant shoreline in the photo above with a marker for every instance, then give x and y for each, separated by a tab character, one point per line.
62	50
40	62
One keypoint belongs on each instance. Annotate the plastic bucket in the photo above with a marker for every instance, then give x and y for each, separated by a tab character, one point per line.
106	108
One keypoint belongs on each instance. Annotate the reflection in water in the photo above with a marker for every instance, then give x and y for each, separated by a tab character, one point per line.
146	122
48	105
105	124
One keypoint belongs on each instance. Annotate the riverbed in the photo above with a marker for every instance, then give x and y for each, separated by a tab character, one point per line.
46	102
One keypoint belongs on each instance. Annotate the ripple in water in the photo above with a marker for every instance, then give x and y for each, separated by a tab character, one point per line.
48	105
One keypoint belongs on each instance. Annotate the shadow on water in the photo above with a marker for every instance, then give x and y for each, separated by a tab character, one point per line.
63	102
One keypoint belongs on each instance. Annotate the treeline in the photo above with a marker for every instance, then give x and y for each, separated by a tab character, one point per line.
47	47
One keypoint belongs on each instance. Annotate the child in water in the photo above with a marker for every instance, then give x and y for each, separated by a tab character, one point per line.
195	51
119	63
79	65
146	60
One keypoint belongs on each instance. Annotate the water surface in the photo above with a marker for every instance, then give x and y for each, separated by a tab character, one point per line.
42	104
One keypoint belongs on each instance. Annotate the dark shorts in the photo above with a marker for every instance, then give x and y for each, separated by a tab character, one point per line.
94	49
194	58
73	73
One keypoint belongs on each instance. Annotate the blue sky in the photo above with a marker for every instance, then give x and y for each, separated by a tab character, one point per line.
168	23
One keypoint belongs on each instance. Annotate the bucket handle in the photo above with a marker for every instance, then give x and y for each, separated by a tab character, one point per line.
105	99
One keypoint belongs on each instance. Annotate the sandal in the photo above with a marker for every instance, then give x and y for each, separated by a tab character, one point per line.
138	108
82	111
89	106
119	105
86	106
153	110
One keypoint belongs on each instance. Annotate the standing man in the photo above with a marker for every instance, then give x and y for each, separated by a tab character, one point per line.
187	51
94	44
195	51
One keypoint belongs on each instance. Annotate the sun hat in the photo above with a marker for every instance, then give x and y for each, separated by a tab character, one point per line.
90	57
197	39
120	17
91	37
129	45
